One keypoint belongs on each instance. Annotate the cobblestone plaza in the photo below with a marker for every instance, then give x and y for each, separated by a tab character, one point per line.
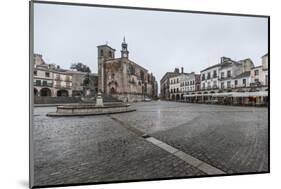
89	149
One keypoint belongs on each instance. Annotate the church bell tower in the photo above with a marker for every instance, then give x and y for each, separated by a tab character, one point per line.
124	51
105	53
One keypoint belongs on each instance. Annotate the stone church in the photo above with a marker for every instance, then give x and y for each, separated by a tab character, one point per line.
122	78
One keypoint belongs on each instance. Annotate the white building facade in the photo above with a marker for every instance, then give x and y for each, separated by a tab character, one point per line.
209	78
189	83
175	87
238	82
259	74
50	80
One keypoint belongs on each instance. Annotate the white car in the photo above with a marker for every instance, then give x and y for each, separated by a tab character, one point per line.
147	99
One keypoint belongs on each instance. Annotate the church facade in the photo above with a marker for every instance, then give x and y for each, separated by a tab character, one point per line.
122	78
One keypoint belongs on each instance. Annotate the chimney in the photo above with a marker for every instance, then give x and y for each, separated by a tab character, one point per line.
181	69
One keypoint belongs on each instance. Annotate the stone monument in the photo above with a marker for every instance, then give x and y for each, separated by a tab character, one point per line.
99	100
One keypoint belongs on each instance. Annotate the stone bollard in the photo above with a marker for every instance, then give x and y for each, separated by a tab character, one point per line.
99	100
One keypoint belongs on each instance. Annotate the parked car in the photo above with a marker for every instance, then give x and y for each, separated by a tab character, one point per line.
146	99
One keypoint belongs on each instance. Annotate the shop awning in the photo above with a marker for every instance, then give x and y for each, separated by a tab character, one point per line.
232	94
248	94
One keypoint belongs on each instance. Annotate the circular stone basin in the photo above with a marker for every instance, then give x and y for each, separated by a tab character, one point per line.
91	109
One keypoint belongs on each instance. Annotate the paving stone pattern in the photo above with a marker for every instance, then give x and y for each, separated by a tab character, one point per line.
233	139
91	149
95	149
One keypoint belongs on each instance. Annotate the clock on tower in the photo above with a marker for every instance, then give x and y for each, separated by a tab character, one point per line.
124	51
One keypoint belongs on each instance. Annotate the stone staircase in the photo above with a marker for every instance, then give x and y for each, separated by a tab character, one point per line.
69	100
109	98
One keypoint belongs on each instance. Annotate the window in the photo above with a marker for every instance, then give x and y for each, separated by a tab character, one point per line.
215	84
209	85
256	72
236	82
47	74
222	75
244	81
222	85
35	72
256	80
203	77
101	52
110	54
209	75
142	75
214	74
203	85
266	80
38	82
228	84
45	83
228	73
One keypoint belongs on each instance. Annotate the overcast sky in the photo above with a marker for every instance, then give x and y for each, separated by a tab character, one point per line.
158	41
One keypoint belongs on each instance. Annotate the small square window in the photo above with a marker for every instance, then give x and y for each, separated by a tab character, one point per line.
38	82
228	73
44	83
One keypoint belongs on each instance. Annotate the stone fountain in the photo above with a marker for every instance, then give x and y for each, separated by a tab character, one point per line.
91	106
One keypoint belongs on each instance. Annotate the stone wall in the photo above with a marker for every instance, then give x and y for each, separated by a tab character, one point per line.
129	97
55	100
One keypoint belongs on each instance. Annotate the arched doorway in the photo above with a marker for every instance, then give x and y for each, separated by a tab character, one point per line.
212	98
62	93
35	92
199	97
205	97
173	97
112	90
177	97
45	92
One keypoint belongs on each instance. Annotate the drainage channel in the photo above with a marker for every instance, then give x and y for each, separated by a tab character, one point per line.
201	165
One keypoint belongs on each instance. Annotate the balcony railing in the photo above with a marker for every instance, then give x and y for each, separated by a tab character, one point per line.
43	84
223	78
215	87
62	86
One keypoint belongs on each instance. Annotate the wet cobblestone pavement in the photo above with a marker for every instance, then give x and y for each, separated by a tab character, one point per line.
91	149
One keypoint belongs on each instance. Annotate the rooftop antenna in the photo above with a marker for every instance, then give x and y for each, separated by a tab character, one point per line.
124	39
